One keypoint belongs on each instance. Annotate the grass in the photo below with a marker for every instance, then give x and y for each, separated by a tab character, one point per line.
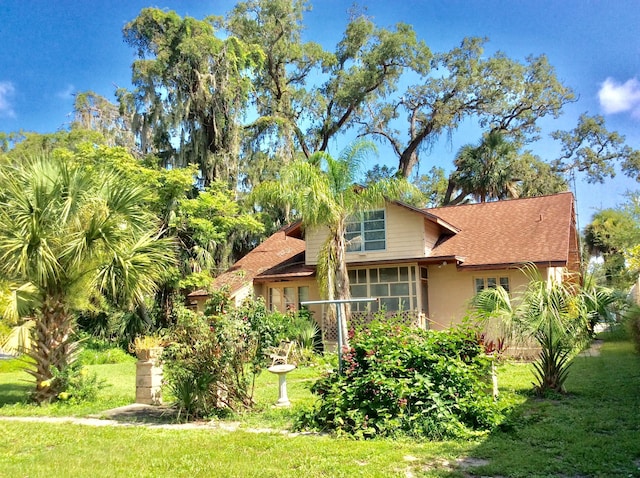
15	385
593	431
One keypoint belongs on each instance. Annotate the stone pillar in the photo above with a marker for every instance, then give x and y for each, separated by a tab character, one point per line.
149	382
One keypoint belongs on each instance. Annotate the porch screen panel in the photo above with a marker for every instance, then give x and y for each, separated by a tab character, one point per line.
275	299
395	287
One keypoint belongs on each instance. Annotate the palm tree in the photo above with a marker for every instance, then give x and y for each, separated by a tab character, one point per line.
67	234
484	171
556	314
323	193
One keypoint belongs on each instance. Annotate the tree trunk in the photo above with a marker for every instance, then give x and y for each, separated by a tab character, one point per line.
342	281
51	348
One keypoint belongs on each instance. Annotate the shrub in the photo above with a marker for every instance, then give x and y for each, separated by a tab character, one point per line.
632	322
106	356
97	351
76	383
404	381
211	362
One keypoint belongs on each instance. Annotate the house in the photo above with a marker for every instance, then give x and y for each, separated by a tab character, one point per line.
425	263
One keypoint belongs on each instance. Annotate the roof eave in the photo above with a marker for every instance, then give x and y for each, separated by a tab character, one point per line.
512	265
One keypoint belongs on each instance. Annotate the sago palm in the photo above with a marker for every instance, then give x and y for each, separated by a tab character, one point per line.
322	191
65	234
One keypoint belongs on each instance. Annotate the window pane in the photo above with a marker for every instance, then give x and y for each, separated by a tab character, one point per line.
380	290
358	291
289	298
352	275
303	293
374	236
504	283
275	299
400	289
389	274
404	274
374	226
355	246
373	275
391	304
491	282
362	276
353	227
372	215
405	303
374	246
479	285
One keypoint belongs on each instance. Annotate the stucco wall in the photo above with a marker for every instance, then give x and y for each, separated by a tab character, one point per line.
198	303
451	290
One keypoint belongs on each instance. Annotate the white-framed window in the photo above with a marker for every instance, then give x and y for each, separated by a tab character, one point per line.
366	232
491	282
395	286
287	299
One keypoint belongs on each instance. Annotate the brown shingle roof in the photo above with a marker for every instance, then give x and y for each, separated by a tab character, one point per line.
517	231
278	255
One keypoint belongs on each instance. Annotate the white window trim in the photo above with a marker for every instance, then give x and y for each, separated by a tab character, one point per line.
487	276
362	242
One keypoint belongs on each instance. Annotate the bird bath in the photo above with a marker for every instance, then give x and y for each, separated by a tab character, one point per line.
281	371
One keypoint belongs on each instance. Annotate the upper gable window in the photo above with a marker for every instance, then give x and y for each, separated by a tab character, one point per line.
366	232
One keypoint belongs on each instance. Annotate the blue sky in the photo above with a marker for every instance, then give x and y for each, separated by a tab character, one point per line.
51	50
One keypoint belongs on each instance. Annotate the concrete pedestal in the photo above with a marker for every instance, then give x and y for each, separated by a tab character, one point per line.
148	382
281	371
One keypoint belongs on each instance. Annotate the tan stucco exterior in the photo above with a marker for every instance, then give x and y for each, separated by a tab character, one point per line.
450	291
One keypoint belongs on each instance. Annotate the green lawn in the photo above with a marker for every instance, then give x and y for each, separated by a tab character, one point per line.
594	431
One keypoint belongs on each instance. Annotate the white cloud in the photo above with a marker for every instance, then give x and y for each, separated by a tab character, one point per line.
620	97
6	92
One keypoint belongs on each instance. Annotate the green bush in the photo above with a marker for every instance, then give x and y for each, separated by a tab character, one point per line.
404	381
632	323
106	356
212	361
77	383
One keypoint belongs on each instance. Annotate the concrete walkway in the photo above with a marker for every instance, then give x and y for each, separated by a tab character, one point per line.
159	417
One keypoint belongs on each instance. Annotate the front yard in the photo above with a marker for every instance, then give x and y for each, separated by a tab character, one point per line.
594	431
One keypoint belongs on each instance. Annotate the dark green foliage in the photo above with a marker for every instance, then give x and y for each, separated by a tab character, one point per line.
632	322
212	361
401	381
